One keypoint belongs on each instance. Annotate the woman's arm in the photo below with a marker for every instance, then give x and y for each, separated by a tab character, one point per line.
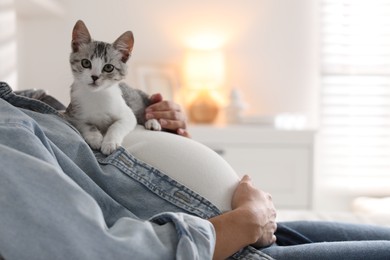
169	114
251	222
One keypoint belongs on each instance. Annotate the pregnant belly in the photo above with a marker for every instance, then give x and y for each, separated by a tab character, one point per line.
186	161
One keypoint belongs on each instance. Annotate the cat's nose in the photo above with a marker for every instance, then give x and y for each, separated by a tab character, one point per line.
94	78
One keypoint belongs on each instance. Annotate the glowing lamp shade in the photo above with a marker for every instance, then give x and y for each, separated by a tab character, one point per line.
204	72
204	69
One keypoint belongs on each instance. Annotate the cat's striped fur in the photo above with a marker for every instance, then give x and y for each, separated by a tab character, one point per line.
102	108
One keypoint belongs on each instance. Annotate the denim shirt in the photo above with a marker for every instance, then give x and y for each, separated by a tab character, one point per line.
61	200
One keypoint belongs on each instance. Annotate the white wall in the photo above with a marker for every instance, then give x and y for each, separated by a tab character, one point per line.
270	45
8	43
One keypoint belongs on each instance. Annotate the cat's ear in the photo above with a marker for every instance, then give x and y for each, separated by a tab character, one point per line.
80	35
125	44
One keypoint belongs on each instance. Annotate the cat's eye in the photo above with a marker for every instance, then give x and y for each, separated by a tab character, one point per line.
108	68
86	63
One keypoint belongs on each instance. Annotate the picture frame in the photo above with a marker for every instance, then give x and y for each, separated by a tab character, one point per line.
157	79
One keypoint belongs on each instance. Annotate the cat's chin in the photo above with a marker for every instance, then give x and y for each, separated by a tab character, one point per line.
98	87
93	87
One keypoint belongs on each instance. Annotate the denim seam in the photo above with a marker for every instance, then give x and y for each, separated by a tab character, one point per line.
121	159
249	252
128	164
8	95
35	105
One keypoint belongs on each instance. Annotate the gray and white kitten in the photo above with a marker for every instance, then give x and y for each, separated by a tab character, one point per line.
102	108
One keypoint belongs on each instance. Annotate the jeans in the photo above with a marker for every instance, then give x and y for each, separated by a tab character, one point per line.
330	240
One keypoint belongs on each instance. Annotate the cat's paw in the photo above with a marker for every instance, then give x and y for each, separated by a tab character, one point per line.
153	124
109	147
94	139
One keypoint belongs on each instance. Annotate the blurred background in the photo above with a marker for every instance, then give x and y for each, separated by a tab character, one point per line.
269	46
299	65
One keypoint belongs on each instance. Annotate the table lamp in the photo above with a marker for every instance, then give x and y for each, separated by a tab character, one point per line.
204	72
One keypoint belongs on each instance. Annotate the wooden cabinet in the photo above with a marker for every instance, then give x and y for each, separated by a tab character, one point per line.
279	161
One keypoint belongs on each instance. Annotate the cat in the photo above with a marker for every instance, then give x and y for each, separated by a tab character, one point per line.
101	107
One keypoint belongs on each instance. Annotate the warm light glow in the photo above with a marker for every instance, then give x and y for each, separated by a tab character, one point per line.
204	69
206	41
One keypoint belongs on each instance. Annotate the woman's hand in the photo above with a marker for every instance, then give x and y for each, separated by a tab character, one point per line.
250	222
169	114
261	208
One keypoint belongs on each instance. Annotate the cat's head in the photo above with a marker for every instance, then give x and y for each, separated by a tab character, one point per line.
97	64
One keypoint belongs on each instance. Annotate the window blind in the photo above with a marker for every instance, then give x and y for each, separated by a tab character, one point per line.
355	99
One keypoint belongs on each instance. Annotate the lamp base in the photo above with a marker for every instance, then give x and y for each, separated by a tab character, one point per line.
204	109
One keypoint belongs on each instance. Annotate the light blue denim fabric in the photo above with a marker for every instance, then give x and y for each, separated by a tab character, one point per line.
61	200
330	240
